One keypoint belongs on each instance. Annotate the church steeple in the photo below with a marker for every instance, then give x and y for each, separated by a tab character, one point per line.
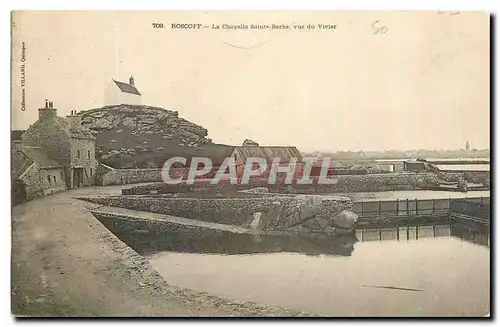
131	80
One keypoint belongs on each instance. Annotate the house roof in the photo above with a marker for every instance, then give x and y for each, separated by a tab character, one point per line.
72	130
31	155
285	153
216	154
19	164
127	88
37	155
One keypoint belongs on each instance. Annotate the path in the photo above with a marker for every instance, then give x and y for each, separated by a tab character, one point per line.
65	263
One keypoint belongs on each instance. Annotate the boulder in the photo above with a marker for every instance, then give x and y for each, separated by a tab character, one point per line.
345	219
323	223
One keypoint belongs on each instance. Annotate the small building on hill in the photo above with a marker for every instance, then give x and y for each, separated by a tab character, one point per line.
122	93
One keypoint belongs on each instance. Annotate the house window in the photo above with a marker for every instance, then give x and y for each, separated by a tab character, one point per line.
55	181
48	179
78	154
62	176
90	172
88	154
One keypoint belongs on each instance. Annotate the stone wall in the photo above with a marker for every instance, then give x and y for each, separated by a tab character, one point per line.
480	177
293	213
130	176
133	176
477	177
345	184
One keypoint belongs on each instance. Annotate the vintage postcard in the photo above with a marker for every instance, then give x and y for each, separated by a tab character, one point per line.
250	164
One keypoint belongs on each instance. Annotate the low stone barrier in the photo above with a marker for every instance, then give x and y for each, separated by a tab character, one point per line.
345	184
293	213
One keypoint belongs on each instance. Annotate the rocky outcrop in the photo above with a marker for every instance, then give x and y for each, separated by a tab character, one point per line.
136	130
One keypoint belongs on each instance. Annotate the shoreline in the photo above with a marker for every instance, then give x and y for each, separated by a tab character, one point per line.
66	263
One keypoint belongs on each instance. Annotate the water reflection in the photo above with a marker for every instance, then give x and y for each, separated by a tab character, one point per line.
321	244
378	278
336	245
474	233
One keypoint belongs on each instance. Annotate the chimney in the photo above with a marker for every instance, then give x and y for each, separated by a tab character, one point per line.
47	112
74	119
131	80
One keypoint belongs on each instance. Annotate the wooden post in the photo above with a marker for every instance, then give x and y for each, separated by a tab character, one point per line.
433	205
379	214
362	208
397	212
416	206
407	213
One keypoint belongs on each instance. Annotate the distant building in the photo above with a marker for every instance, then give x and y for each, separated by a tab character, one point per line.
467	146
122	93
419	166
66	142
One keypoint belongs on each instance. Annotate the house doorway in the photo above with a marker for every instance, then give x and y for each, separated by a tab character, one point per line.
77	177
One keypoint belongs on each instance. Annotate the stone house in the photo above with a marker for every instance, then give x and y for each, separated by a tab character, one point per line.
67	142
34	173
122	93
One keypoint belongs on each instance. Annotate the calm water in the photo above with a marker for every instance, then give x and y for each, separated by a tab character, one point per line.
437	270
421	195
436	159
478	167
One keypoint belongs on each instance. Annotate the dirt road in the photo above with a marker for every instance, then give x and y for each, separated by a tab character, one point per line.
65	263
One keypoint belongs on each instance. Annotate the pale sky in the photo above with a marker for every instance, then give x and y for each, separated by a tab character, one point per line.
422	84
